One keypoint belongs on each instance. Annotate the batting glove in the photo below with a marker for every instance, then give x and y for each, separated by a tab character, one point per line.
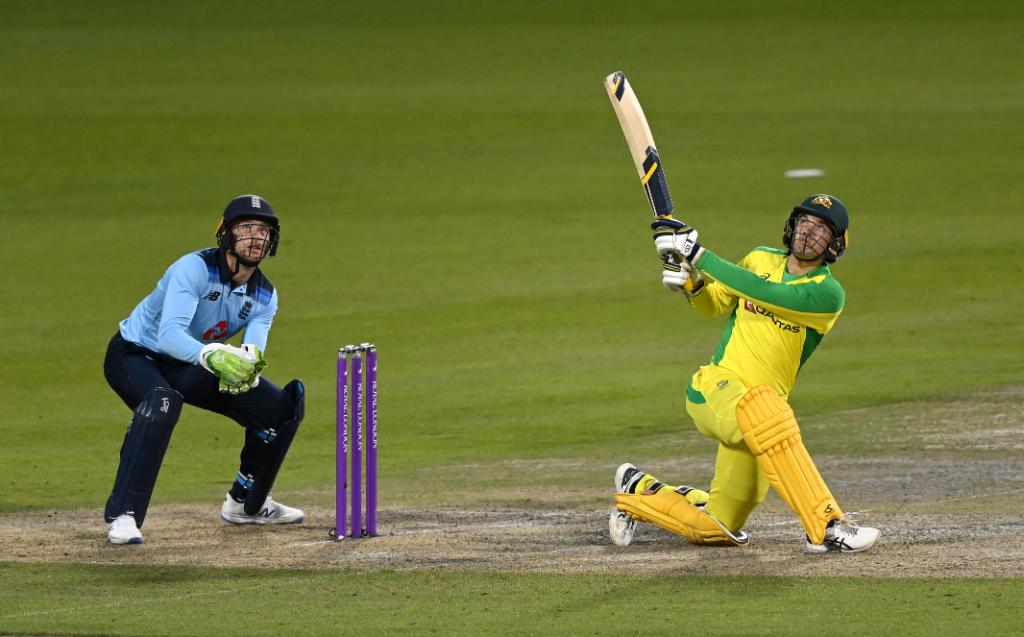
675	275
675	240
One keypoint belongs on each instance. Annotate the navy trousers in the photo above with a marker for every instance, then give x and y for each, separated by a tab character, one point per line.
133	371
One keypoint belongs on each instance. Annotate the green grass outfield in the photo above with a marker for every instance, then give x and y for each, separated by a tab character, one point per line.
453	185
178	601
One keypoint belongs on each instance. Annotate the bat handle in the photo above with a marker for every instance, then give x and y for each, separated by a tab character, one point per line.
674	259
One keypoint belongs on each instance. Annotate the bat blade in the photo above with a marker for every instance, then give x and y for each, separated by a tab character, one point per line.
640	141
649	165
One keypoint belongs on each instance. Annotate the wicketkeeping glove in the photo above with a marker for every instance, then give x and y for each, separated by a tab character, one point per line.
259	364
224	388
676	241
231	364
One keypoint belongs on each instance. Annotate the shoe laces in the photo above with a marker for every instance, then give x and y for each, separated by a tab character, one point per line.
848	524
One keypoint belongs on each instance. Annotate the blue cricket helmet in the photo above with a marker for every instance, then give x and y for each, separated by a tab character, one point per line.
248	207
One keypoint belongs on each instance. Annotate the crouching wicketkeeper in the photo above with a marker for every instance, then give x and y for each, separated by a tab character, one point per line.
171	351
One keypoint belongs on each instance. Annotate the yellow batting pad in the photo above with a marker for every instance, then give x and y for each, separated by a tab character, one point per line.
673	512
770	430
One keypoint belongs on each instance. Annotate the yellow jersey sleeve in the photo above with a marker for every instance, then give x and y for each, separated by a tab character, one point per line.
713	300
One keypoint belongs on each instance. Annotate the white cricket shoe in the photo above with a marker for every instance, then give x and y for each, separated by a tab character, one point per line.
627	476
123	530
621	525
272	512
846	536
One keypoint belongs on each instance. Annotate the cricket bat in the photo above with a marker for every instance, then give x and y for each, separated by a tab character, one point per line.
641	145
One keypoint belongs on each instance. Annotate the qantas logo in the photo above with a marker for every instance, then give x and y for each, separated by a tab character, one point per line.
782	325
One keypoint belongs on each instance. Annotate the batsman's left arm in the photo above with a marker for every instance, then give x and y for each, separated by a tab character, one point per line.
815	302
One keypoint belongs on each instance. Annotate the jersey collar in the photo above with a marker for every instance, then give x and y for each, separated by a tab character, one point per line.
225	272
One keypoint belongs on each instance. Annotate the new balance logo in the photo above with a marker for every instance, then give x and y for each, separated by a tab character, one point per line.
212	296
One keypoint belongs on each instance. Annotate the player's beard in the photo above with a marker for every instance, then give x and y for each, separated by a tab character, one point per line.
248	261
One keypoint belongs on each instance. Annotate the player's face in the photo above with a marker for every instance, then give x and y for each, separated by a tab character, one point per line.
252	239
811	237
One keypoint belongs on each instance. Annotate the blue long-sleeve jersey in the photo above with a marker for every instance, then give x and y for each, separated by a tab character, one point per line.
194	304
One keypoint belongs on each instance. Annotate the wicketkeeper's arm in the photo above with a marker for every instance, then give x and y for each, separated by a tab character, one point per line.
186	279
257	329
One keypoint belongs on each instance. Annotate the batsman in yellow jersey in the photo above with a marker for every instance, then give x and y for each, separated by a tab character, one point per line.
779	304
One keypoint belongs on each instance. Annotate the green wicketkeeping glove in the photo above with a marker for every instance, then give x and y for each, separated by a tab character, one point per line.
259	364
230	364
234	390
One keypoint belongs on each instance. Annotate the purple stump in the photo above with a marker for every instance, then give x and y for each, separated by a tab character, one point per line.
357	444
371	447
341	445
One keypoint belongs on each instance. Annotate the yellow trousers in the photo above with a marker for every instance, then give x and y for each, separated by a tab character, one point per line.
738	486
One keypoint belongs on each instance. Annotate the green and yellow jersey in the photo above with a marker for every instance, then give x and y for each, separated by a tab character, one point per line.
776	319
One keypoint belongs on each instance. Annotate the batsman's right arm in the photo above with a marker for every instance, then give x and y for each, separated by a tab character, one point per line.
713	300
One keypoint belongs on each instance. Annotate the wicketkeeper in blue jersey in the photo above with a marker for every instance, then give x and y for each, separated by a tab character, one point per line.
171	351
